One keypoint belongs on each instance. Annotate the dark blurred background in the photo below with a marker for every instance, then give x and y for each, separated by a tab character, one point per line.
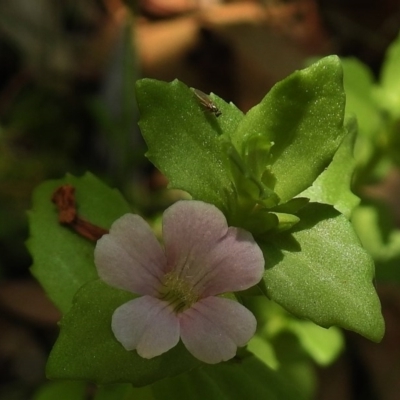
67	73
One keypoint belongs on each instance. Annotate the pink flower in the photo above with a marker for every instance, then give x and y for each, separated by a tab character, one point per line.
203	258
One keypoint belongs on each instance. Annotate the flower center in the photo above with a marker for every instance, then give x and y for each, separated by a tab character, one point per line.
178	292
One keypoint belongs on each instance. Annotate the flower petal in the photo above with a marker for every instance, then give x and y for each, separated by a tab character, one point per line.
146	324
214	327
236	263
191	227
202	249
130	257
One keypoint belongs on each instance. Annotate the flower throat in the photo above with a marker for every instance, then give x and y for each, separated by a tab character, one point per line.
177	292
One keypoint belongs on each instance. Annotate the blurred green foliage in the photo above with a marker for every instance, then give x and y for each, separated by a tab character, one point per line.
376	104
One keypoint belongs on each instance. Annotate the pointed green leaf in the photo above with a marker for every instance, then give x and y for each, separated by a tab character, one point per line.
87	349
303	116
321	272
333	185
184	138
63	260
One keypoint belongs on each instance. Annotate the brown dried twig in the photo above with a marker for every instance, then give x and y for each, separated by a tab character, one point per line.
64	198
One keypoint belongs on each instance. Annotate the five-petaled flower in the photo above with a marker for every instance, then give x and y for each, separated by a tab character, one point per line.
202	258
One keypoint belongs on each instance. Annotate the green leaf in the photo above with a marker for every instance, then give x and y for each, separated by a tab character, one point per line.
87	349
63	260
62	391
388	94
246	378
323	345
303	116
358	83
123	391
264	350
183	139
321	272
284	355
381	238
333	185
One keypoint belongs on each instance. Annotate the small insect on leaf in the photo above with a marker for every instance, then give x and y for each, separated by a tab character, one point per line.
206	102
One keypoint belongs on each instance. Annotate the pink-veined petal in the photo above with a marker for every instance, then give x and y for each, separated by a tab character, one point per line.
235	263
190	229
202	249
146	324
214	327
130	257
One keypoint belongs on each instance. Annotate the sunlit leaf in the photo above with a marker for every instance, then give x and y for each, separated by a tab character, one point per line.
321	272
333	186
303	116
183	139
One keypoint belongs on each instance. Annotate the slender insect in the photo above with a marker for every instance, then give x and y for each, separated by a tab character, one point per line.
206	102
